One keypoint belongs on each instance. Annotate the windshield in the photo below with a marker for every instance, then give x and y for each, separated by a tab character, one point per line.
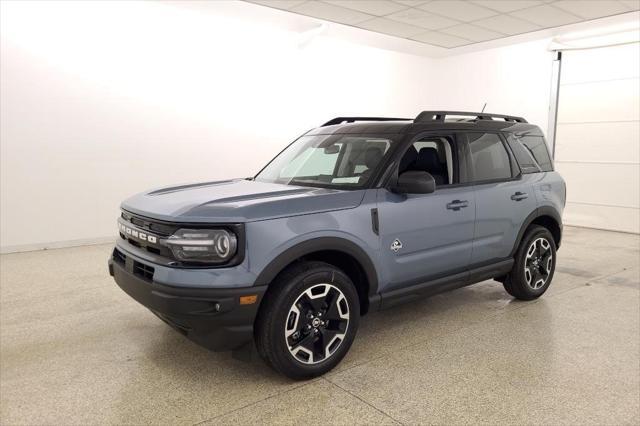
340	161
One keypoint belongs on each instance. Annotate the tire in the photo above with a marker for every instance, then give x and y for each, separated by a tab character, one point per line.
534	266
308	320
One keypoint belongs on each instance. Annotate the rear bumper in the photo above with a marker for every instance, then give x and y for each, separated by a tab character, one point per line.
211	317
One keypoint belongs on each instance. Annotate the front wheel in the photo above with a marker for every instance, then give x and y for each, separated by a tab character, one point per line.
308	320
535	263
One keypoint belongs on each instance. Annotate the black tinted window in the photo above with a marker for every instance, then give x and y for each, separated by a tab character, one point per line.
525	159
537	148
489	157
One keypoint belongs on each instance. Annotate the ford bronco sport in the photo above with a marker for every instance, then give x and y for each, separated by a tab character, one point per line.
356	215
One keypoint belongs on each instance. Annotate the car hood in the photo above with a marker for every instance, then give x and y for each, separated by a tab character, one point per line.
237	200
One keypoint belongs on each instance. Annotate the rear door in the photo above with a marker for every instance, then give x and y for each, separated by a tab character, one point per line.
425	236
504	198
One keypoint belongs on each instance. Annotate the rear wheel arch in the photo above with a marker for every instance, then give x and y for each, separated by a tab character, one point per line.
339	252
547	217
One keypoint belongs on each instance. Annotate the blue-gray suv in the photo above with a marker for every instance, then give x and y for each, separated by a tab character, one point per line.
357	215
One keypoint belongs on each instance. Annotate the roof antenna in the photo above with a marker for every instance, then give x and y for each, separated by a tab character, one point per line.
485	105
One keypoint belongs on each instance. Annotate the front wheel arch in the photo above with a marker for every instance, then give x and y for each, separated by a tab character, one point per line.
339	252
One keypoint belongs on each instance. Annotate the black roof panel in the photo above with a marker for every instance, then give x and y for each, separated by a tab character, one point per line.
409	127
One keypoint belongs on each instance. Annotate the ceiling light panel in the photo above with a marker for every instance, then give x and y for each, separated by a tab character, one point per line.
454	23
439	39
372	7
473	33
331	12
507	25
590	9
456	9
387	26
505	6
546	16
423	19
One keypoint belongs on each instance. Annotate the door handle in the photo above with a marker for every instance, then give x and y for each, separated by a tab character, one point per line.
518	196
457	205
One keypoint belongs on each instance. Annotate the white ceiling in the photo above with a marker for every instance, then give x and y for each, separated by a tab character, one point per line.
454	23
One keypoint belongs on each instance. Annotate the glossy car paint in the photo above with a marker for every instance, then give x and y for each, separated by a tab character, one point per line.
436	241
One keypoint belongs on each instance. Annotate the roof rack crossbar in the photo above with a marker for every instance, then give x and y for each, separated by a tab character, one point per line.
340	120
426	116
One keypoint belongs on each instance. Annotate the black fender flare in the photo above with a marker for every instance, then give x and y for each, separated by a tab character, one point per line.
539	212
291	254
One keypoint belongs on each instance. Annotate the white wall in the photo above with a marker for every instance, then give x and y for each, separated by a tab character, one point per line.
513	80
102	100
598	139
597	143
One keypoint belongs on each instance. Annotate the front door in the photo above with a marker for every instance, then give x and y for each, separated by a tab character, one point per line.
426	236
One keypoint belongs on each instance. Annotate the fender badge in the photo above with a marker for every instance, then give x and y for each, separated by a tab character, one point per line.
396	245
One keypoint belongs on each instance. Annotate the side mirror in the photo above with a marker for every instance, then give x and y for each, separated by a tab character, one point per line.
414	182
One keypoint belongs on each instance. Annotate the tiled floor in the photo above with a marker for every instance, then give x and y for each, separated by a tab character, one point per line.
75	349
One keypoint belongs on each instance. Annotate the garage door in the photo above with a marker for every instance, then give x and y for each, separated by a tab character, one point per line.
598	137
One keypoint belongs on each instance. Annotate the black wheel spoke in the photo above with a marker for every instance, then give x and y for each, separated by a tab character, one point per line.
315	304
328	335
306	342
318	347
332	311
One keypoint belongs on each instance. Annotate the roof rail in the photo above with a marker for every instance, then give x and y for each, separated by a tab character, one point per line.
340	120
426	116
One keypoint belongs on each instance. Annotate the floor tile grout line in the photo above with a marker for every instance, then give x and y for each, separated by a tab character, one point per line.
310	382
362	400
456	330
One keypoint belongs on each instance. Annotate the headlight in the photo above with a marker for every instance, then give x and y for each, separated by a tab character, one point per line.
203	245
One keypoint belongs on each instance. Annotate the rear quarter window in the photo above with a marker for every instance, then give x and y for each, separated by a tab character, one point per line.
531	152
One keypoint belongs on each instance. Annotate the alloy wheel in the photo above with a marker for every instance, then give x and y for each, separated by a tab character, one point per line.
538	263
317	323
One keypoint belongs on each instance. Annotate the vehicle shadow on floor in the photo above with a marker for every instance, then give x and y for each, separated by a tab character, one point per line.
379	333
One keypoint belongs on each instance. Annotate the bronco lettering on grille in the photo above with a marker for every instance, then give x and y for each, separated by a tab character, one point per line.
131	232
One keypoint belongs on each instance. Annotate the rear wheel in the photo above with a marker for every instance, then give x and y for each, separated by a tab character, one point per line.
308	321
535	263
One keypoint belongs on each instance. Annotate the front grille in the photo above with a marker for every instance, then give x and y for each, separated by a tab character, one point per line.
162	230
153	226
119	257
159	230
143	271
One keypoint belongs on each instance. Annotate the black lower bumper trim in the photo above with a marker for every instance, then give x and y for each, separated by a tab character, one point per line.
212	317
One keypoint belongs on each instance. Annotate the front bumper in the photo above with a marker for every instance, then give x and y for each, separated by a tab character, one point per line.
211	317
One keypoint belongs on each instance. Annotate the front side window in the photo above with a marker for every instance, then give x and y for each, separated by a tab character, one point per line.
489	157
340	161
431	154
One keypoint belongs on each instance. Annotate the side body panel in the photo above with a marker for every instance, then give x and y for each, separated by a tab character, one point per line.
550	190
271	242
501	210
435	240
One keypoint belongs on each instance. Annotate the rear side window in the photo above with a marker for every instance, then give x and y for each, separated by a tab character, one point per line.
489	157
531	152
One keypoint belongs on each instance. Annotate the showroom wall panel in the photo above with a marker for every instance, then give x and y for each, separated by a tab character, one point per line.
598	136
100	100
514	79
